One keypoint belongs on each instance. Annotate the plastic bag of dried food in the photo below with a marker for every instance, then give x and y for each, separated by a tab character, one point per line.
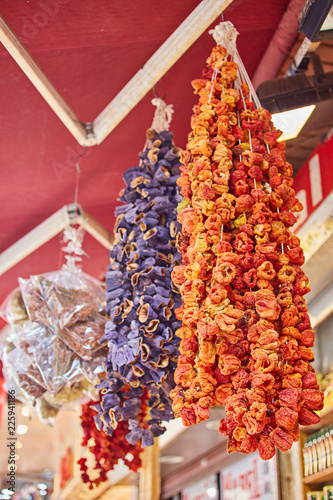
93	369
63	297
13	309
34	300
45	411
57	364
83	336
78	392
19	369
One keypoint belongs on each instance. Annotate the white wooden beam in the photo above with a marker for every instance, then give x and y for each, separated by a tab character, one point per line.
141	83
34	239
43	84
47	230
163	59
95	229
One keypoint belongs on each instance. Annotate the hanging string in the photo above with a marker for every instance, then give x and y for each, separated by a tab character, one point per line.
78	171
163	115
225	34
214	76
162	118
74	236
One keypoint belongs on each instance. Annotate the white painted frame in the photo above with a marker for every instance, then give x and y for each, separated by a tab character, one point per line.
50	228
141	83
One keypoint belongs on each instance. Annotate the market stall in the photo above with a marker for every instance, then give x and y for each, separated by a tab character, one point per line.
180	365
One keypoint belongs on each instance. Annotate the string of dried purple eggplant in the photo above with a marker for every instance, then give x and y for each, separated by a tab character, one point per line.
141	299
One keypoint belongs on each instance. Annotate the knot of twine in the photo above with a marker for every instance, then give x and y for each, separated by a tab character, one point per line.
163	115
74	238
225	34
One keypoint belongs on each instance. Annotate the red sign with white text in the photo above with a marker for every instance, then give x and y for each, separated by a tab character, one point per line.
314	181
249	479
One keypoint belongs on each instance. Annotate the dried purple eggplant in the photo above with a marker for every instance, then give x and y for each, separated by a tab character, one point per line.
143	348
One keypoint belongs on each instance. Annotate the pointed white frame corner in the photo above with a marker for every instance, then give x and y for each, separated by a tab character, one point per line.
132	93
50	228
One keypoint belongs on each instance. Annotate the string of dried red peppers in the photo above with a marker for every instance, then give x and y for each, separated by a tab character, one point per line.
108	450
246	337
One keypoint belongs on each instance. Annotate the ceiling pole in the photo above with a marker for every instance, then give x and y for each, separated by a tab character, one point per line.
163	59
42	83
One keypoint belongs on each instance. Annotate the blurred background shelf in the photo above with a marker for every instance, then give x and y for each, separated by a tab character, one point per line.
319	478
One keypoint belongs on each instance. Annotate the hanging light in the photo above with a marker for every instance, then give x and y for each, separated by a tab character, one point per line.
291	122
25	411
42	486
22	429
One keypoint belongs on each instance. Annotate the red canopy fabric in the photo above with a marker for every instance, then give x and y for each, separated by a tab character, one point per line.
89	51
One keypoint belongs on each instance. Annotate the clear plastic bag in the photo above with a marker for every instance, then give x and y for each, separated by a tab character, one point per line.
63	297
83	336
69	302
34	300
94	368
52	349
45	411
57	364
19	369
13	309
79	391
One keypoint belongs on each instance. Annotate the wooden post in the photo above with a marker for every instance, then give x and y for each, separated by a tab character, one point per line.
150	475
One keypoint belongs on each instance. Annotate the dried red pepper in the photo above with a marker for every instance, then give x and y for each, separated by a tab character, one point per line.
108	450
248	333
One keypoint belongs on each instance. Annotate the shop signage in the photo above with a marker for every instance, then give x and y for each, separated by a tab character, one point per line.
314	181
250	478
207	489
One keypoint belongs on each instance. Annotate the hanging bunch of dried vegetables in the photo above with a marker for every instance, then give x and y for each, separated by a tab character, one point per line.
140	300
52	351
107	450
246	336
